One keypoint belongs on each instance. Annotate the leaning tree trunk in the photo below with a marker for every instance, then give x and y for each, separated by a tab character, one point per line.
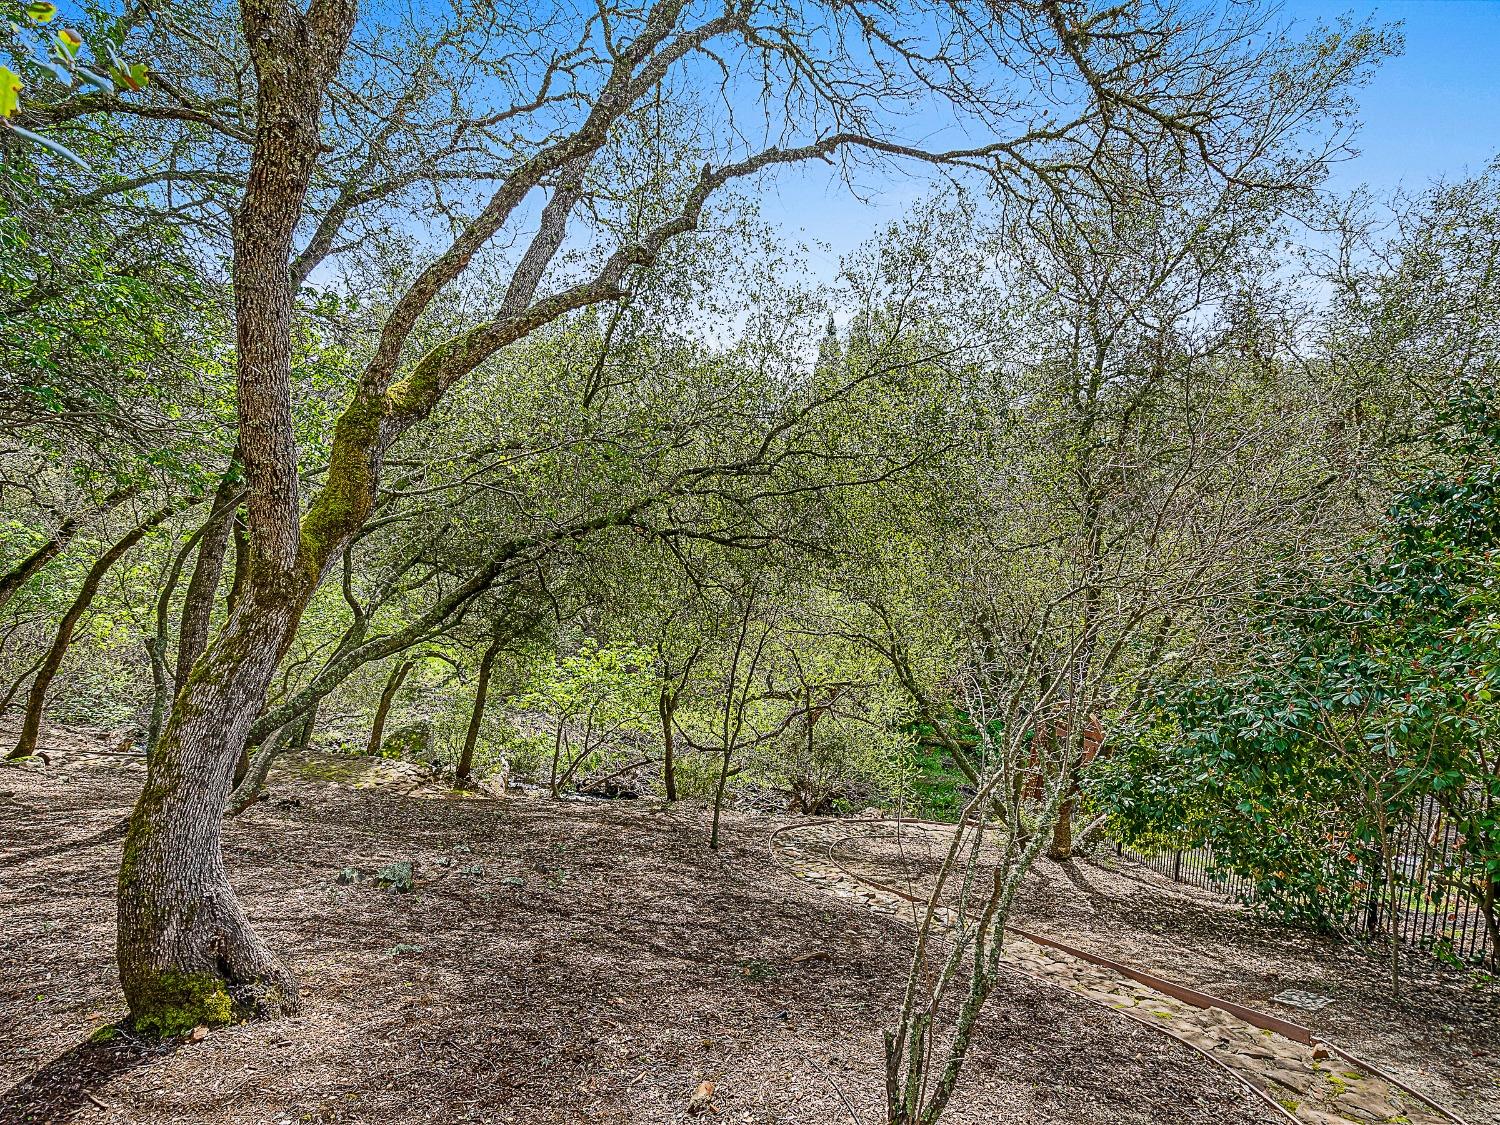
186	951
12	581
476	716
36	701
383	710
187	954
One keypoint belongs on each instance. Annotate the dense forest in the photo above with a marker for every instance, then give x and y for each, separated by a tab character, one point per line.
427	384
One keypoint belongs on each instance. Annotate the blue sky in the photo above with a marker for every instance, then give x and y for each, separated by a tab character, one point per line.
1433	112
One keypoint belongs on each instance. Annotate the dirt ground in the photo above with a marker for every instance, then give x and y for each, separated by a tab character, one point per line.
1441	1035
565	963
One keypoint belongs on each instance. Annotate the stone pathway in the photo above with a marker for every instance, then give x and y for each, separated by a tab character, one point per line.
1312	1083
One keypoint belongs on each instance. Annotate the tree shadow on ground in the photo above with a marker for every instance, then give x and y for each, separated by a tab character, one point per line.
71	1081
114	831
1101	900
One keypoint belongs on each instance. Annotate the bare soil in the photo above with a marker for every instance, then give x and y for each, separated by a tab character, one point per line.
558	962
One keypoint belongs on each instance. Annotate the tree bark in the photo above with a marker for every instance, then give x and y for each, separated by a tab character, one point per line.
719	787
36	700
476	716
383	709
666	707
1061	848
186	951
208	568
305	731
162	686
241	564
10	692
249	782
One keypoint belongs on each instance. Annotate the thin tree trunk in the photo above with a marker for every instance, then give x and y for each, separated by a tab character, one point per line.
666	707
1491	920
241	564
36	700
12	581
713	833
208	568
305	731
156	647
10	694
1061	848
392	685
476	716
247	789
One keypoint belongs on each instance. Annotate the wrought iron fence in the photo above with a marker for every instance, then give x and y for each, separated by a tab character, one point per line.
1195	867
1423	909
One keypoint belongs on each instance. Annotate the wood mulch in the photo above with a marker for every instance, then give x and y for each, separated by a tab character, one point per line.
556	963
1440	1034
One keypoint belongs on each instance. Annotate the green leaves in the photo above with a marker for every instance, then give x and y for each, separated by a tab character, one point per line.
132	77
69	42
1367	698
60	59
10	92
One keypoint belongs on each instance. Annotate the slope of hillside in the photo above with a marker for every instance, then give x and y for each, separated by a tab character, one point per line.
555	963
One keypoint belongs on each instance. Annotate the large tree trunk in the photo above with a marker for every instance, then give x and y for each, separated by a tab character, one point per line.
36	701
186	952
476	716
383	709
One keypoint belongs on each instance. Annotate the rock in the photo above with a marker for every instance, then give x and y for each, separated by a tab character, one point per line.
198	1034
349	875
1368	1102
1291	1079
1310	1116
410	742
1255	1051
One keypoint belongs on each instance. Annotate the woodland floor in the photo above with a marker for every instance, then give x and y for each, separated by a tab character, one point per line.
1440	1034
594	963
